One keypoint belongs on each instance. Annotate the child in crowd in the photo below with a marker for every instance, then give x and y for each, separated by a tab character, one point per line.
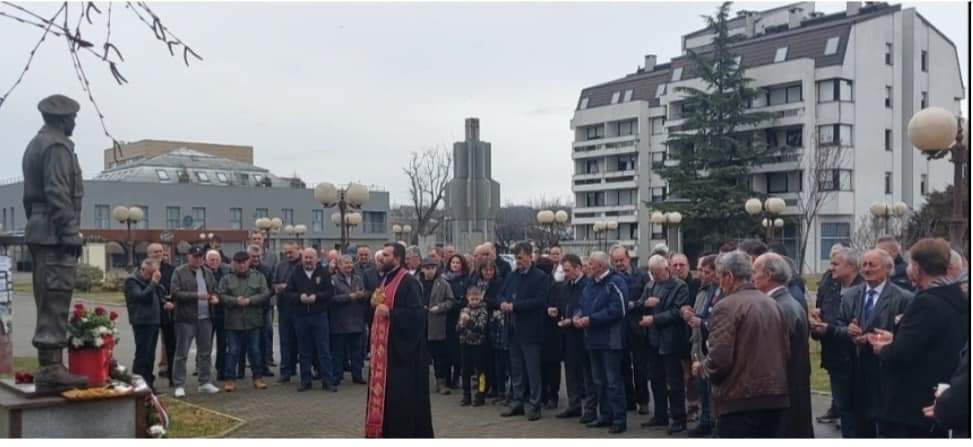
472	330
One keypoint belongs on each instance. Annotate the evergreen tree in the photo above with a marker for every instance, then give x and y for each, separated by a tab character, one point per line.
710	181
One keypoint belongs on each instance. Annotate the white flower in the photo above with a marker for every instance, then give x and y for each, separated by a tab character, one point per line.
76	342
156	431
101	330
99	342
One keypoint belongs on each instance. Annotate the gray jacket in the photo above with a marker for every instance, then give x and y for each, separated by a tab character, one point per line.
52	190
183	292
442	296
347	315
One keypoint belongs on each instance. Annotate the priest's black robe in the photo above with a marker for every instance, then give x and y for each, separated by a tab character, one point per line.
407	407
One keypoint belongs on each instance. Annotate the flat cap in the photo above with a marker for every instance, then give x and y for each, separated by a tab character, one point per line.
197	250
427	261
58	105
241	257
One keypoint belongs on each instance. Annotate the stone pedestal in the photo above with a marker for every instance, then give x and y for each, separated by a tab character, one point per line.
23	415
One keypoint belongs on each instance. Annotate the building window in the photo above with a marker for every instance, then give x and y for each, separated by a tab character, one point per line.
626	163
199	217
834	233
144	223
777	182
834	90
260	212
888	140
317	221
244	179
888	54
594	132
102	217
923	100
591	166
924	184
888	96
676	74
236	218
924	60
162	174
658	125
780	55
584	103
660	90
5	227
221	176
784	95
626	127
888	182
594	198
834	180
373	222
794	137
615	97
834	135
287	216
202	177
628	95
173	218
831	46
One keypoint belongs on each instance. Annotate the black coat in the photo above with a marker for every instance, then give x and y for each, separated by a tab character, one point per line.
867	384
168	317
899	277
796	421
369	276
318	284
835	353
142	298
347	315
636	281
953	406
528	291
668	333
925	352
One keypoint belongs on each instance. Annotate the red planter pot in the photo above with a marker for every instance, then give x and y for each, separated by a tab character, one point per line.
93	363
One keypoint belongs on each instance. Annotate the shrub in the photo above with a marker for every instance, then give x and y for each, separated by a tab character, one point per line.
87	277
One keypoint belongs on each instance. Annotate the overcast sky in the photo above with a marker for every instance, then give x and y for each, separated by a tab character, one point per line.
344	92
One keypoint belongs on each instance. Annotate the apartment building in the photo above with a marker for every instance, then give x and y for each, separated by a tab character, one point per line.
848	81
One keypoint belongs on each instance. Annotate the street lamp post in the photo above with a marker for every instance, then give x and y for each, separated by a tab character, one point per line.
347	199
602	228
128	216
767	211
346	223
670	222
885	211
936	132
296	232
267	226
552	220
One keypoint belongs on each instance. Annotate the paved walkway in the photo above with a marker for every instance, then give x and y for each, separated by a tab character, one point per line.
281	412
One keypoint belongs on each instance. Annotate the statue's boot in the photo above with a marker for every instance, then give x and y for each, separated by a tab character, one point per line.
52	374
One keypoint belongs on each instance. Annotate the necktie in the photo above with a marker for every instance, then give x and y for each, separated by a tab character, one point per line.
869	305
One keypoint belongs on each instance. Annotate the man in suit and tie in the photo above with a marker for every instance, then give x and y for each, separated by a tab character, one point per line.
875	304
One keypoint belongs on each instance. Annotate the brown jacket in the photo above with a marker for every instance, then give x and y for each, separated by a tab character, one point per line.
748	351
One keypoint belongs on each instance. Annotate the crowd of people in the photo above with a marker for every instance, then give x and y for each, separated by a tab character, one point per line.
726	346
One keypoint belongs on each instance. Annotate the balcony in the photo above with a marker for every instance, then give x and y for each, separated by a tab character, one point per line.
783	159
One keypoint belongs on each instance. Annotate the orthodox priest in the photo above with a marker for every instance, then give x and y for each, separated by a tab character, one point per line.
398	387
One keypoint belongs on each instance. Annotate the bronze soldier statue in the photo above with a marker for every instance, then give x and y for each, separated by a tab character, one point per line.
52	201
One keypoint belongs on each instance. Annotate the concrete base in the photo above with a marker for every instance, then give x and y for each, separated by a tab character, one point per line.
22	416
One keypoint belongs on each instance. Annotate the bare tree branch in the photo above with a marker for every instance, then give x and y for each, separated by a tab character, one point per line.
429	173
817	161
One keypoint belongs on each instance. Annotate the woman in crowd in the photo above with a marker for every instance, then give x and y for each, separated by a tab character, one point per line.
458	276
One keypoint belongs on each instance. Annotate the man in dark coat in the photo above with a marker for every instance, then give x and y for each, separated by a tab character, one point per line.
157	253
398	393
771	273
952	408
664	296
286	334
52	202
872	305
635	360
524	297
898	275
602	316
347	315
308	295
142	296
924	350
841	275
577	365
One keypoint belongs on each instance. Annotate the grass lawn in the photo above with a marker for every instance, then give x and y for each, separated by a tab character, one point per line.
95	296
187	420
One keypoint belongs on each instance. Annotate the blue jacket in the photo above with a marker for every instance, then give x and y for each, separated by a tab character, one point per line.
603	302
528	291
